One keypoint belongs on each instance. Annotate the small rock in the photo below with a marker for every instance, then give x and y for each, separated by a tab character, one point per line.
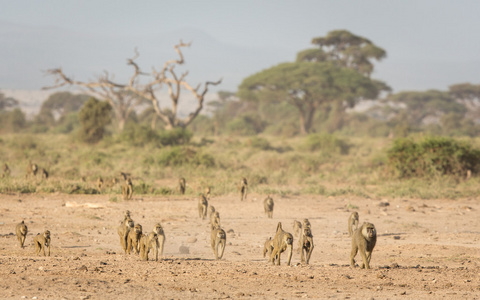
191	240
383	204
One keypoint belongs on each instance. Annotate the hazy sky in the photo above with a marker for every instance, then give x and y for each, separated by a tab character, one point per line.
429	44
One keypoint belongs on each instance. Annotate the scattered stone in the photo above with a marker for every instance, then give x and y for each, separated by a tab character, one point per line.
383	204
191	240
83	268
396	237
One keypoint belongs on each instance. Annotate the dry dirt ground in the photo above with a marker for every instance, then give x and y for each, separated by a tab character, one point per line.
426	249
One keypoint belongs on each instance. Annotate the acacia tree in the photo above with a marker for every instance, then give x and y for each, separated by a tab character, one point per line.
123	97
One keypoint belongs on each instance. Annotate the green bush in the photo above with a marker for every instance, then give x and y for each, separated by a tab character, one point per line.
179	156
432	156
326	143
259	143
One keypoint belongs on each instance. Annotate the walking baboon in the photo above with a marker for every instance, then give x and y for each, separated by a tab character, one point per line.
207	192
147	243
219	240
268	247
31	169
21	230
214	220
44	173
297	228
182	185
99	183
306	223
6	170
363	239
211	210
127	189
352	223
281	242
202	206
268	206
306	245
243	188
124	175
158	229
123	231
133	239
41	241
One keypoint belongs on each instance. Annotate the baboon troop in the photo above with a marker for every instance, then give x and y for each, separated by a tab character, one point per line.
243	187
41	242
306	242
352	223
268	206
21	231
281	242
268	247
127	189
133	239
182	185
218	240
6	170
363	240
202	206
147	243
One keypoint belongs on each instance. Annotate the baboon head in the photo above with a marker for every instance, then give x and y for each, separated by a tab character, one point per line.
369	231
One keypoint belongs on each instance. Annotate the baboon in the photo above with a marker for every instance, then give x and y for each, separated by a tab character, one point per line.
31	169
127	189
158	229
133	239
125	217
99	183
306	245
123	231
268	247
202	206
281	242
41	241
211	210
182	185
243	187
268	206
219	240
352	223
124	175
306	223
6	170
207	192
44	173
147	243
83	179
214	220
363	239
297	228
21	230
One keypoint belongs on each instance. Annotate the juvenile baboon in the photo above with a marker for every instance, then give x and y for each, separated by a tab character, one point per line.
6	170
147	243
352	223
219	240
21	230
363	239
182	185
31	169
99	183
281	242
133	239
268	206
44	173
202	206
158	229
306	245
243	188
211	210
41	241
214	220
297	228
123	231
127	189
268	247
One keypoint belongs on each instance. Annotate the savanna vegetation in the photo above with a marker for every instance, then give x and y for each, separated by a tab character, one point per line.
290	129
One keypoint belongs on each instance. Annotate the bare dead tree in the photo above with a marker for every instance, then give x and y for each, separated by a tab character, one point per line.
116	93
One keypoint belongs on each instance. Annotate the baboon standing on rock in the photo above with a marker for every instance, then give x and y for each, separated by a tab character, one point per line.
41	241
127	189
218	240
281	242
243	188
21	230
182	185
363	239
352	223
202	206
268	206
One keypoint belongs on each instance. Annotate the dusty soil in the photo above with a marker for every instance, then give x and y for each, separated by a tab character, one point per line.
425	249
